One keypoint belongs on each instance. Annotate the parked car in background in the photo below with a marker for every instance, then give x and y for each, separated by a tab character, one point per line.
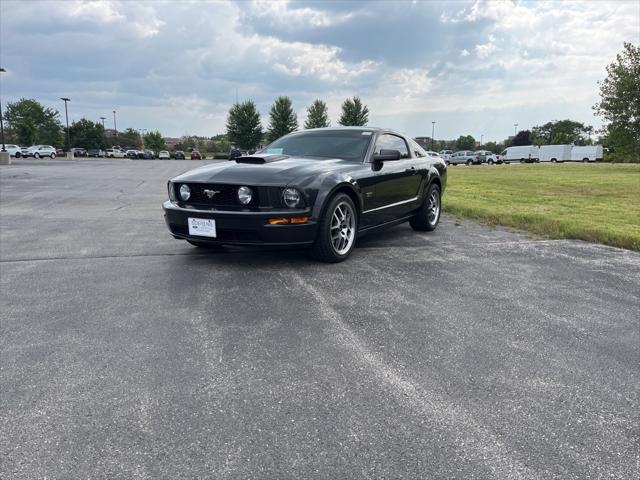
195	155
555	153
79	152
95	152
14	150
60	152
131	153
164	155
178	155
39	151
148	154
445	153
463	157
113	153
433	154
525	153
489	157
591	153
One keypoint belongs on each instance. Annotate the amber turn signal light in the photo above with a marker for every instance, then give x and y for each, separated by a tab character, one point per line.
283	221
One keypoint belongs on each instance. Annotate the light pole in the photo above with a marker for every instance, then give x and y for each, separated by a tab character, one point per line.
515	128
5	158
433	131
115	127
2	70
103	119
481	138
142	132
66	115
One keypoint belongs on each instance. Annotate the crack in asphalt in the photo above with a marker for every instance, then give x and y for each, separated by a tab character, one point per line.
472	438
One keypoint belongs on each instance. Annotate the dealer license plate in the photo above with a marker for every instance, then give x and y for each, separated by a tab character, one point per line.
204	227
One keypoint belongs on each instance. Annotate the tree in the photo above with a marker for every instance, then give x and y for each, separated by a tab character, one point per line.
154	141
282	119
561	132
243	125
32	123
620	104
130	138
523	137
317	115
87	134
354	113
466	142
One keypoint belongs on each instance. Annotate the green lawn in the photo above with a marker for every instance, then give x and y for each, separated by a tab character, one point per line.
593	202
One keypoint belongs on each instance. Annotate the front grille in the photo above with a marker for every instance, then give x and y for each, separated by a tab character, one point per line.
224	196
249	236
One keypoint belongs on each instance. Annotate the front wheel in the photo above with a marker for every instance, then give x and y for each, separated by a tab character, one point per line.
36	155
53	155
469	163
428	215
336	231
490	162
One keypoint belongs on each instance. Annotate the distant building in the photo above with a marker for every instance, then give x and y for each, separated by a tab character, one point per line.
424	142
171	142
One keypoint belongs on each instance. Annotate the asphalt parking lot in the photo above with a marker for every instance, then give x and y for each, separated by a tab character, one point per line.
471	352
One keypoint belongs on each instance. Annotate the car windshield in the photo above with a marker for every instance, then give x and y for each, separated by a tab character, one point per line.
346	144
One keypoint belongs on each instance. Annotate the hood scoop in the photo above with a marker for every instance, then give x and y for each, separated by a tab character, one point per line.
259	159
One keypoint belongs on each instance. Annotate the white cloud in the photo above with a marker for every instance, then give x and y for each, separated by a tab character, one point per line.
464	53
279	12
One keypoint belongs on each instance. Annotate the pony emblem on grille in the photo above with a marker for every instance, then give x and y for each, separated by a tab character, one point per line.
211	193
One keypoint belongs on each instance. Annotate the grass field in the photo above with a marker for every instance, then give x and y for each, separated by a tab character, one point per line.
593	202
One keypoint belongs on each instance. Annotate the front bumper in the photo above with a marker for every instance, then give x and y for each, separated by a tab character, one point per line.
242	227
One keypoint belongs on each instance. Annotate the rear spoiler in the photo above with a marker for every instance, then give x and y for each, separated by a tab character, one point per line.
258	159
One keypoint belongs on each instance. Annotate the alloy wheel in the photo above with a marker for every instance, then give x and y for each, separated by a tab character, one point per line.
433	207
343	228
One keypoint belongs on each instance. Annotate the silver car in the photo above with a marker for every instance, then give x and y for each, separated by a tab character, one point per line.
37	151
466	157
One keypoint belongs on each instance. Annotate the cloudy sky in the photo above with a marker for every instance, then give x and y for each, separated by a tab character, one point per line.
474	67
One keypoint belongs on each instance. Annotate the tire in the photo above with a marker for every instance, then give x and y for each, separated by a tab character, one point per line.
428	215
490	162
205	245
36	155
53	155
341	217
469	163
18	155
585	160
447	163
553	160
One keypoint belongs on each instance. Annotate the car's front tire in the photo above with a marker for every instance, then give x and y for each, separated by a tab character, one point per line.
36	155
337	230
53	155
469	163
428	215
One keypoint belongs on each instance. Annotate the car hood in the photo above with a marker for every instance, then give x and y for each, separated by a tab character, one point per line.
273	172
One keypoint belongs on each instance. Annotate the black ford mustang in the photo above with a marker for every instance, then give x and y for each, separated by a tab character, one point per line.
321	188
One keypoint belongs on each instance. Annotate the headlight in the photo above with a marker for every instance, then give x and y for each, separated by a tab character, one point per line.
185	192
291	197
172	192
245	195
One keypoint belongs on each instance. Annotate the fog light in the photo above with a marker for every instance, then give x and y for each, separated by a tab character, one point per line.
277	221
300	219
185	192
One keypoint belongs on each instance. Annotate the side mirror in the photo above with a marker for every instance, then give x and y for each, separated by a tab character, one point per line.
387	155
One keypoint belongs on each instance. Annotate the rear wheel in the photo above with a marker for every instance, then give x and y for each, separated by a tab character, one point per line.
490	161
553	160
336	231
36	155
584	160
428	215
469	162
53	155
18	154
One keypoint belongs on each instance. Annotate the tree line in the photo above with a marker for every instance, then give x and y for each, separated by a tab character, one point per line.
245	131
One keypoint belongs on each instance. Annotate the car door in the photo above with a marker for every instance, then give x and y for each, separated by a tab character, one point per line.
396	182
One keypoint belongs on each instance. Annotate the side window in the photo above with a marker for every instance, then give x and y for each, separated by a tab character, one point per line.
417	150
392	142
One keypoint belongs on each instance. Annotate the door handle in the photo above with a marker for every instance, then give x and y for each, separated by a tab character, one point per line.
412	170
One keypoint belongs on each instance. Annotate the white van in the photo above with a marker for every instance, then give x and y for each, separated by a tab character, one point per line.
592	153
525	153
555	153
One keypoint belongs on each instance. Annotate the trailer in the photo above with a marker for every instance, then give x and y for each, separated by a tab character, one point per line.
555	153
525	153
592	153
